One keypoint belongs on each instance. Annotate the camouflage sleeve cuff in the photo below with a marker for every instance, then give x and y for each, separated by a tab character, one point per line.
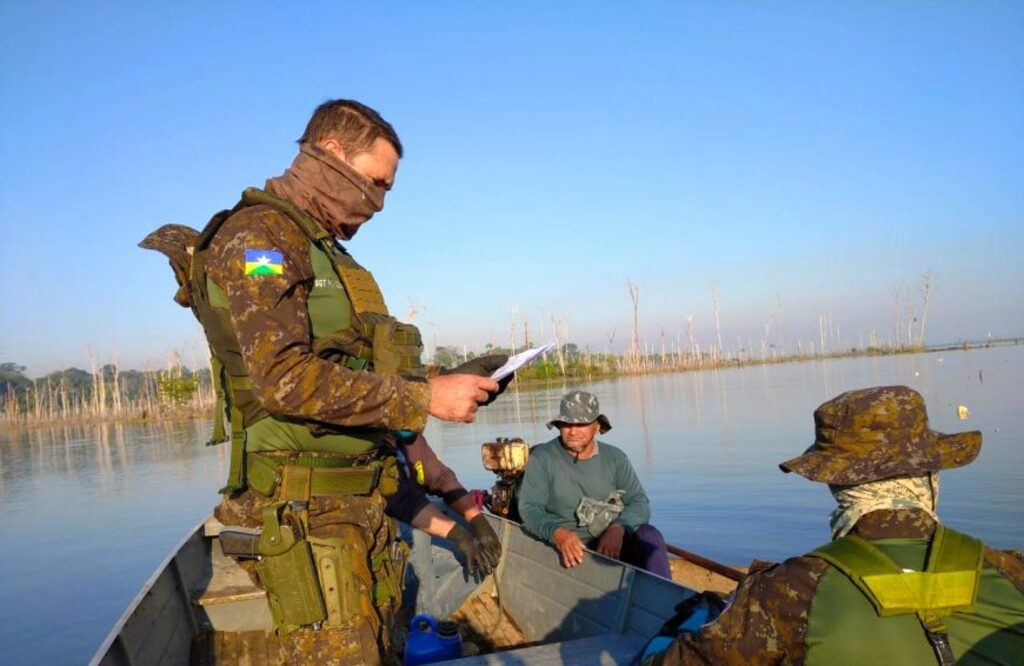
414	398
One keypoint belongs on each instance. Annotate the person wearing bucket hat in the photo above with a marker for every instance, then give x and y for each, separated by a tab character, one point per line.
578	493
894	585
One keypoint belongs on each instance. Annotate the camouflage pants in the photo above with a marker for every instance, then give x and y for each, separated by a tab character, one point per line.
359	519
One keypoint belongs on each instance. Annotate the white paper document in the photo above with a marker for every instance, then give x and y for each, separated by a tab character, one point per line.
521	359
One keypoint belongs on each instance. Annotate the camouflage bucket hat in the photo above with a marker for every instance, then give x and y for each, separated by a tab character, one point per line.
579	407
879	433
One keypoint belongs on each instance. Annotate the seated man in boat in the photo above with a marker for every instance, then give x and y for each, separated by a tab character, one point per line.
895	585
578	493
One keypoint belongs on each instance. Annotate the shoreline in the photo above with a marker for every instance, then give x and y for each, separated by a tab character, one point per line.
570	374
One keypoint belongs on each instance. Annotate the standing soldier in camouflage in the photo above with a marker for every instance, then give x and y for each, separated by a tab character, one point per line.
895	585
316	377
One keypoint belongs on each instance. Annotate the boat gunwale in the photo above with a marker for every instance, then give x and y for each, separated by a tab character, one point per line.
115	632
506	525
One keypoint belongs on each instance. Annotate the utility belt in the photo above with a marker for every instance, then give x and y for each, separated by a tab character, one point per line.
336	579
300	476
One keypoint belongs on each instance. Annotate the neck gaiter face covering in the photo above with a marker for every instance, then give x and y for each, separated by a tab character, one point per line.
919	491
330	190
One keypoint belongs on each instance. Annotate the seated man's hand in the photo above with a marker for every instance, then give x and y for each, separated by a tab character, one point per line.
569	546
456	397
610	543
483	366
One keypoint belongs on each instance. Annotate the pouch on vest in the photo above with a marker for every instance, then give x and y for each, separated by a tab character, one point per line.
286	571
397	349
340	567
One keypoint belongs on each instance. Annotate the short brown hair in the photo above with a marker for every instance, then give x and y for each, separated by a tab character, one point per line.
353	124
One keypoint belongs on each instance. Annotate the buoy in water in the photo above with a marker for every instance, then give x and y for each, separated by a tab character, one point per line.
962	412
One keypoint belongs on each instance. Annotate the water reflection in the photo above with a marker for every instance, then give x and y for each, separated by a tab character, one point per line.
99	453
88	513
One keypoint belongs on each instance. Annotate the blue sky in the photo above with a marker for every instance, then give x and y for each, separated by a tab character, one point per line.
805	158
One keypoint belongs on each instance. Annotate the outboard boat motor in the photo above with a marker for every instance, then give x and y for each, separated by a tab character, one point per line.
507	458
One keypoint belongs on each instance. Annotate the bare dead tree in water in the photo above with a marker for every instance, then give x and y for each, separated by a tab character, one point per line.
611	346
116	394
927	288
634	345
513	317
561	337
764	340
897	291
690	338
718	324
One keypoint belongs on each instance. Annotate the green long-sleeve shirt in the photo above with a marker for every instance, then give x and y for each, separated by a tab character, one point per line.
555	482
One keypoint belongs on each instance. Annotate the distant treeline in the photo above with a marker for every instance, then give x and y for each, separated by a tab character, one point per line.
108	393
568	361
105	393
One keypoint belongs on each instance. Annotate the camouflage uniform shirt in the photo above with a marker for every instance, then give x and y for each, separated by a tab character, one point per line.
767	621
271	320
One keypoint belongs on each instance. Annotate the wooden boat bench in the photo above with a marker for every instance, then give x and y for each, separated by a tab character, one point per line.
229	599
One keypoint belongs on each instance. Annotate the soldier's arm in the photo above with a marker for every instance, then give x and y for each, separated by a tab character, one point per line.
435	476
765	623
270	318
408	501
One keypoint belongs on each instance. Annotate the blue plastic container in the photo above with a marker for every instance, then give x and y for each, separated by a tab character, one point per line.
430	641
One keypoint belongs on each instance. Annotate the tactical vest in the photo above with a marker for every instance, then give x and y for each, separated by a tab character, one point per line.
350	325
905	601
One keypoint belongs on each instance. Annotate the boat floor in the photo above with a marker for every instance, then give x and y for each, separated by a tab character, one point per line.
485	627
486	630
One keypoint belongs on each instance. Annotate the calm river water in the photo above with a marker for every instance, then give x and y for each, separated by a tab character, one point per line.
88	513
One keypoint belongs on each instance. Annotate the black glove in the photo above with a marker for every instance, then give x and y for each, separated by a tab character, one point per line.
483	366
470	547
490	547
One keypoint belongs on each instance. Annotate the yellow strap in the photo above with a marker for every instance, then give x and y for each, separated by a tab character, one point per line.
912	591
949	581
